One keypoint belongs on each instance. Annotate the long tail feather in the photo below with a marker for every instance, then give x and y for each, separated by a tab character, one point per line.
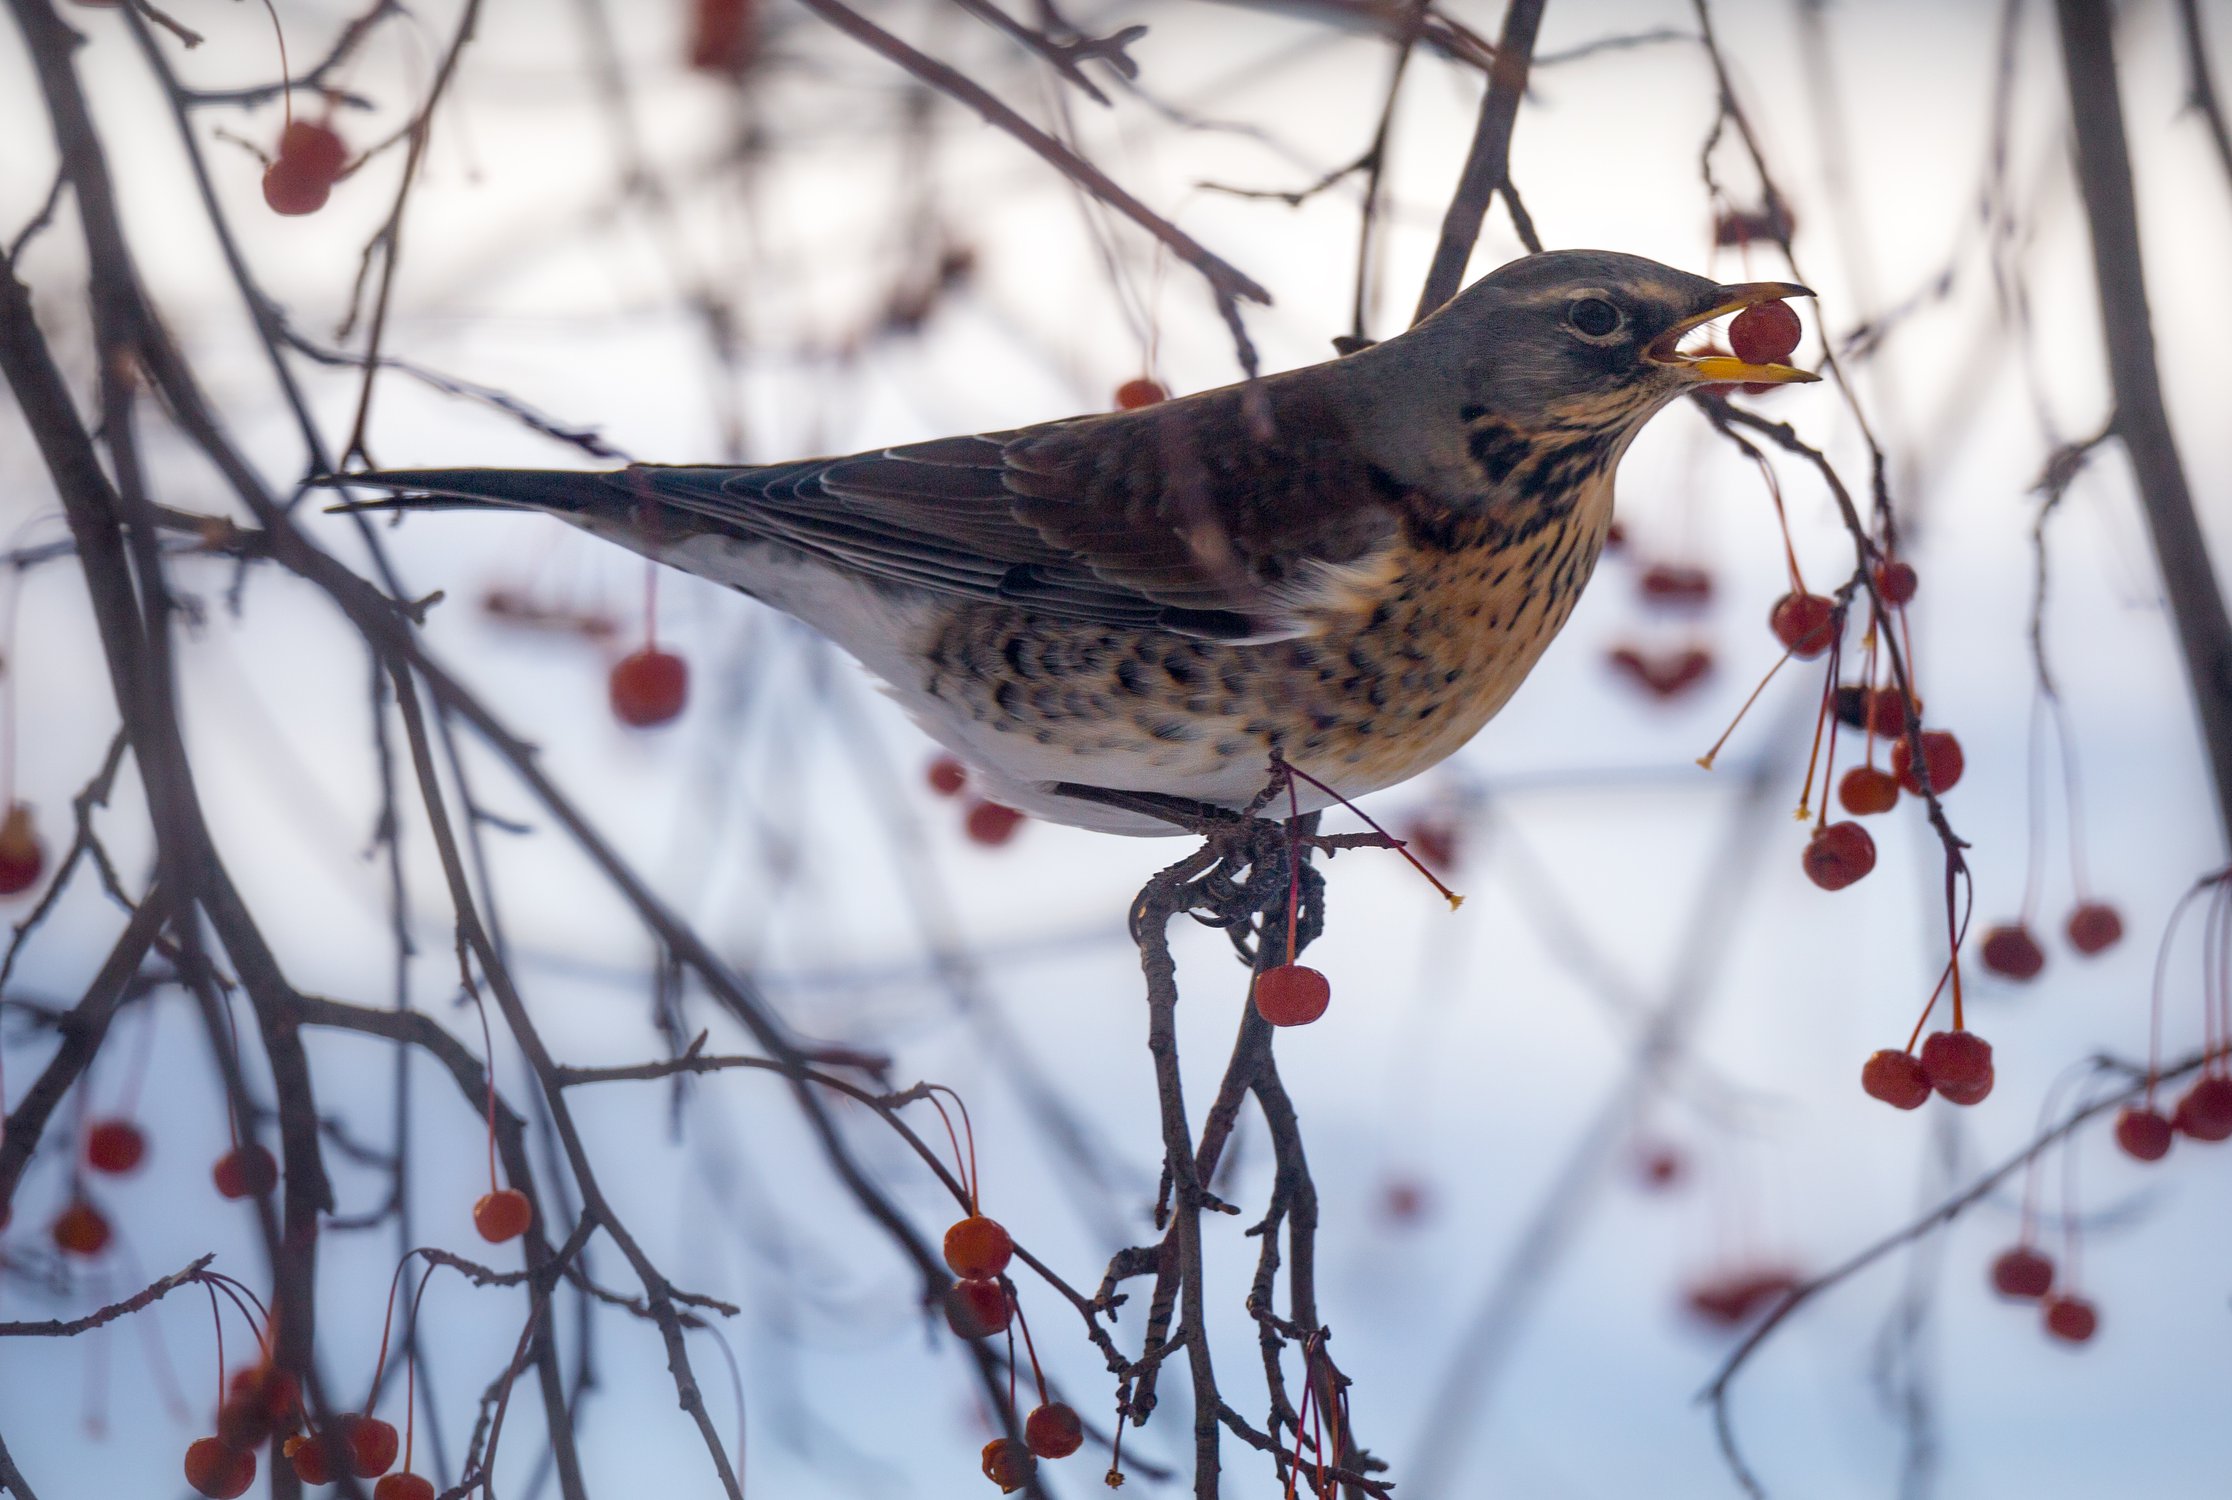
556	490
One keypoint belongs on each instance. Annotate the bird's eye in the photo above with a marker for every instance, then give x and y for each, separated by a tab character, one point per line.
1593	316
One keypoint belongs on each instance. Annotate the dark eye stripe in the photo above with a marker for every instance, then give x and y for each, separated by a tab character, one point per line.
1593	316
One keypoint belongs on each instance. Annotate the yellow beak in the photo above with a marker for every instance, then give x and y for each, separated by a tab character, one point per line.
1726	369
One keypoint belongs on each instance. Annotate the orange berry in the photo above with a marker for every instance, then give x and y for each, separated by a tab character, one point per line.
81	1229
503	1215
1866	790
978	1248
1839	854
649	687
218	1471
1291	995
1053	1431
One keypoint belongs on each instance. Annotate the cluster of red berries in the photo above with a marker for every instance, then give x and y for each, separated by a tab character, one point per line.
2022	1274
311	159
990	824
1666	672
1956	1065
2202	1114
1731	1299
2012	951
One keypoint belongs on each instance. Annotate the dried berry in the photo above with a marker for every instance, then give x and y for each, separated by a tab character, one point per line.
1896	1078
1053	1431
1008	1464
1958	1065
1291	995
2012	953
1839	854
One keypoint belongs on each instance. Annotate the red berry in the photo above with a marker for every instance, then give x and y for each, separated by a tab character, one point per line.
1764	333
2095	927
1866	790
1133	394
1896	1078
1735	1298
1941	756
1434	841
22	856
2022	1273
1803	623
315	148
978	1248
1008	1464
404	1486
2143	1133
245	1172
649	687
991	824
947	776
2071	1319
1673	583
1663	674
977	1309
1958	1065
1405	1200
1896	582
1053	1431
81	1229
114	1146
1291	995
312	1461
1838	854
1887	713
723	39
218	1471
502	1215
292	188
371	1443
1615	537
1661	1167
2012	953
259	1401
2205	1113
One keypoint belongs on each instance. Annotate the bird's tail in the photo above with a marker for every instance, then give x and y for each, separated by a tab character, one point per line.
555	491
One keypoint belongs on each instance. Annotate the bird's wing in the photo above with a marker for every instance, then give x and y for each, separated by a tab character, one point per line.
1174	517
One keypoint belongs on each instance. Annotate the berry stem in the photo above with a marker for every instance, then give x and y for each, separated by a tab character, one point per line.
1294	864
1706	760
488	1074
286	75
1038	1375
969	1179
1399	846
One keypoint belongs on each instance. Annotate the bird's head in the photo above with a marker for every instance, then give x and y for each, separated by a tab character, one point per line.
1590	338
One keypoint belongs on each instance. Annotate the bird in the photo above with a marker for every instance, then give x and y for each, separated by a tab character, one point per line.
1348	567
